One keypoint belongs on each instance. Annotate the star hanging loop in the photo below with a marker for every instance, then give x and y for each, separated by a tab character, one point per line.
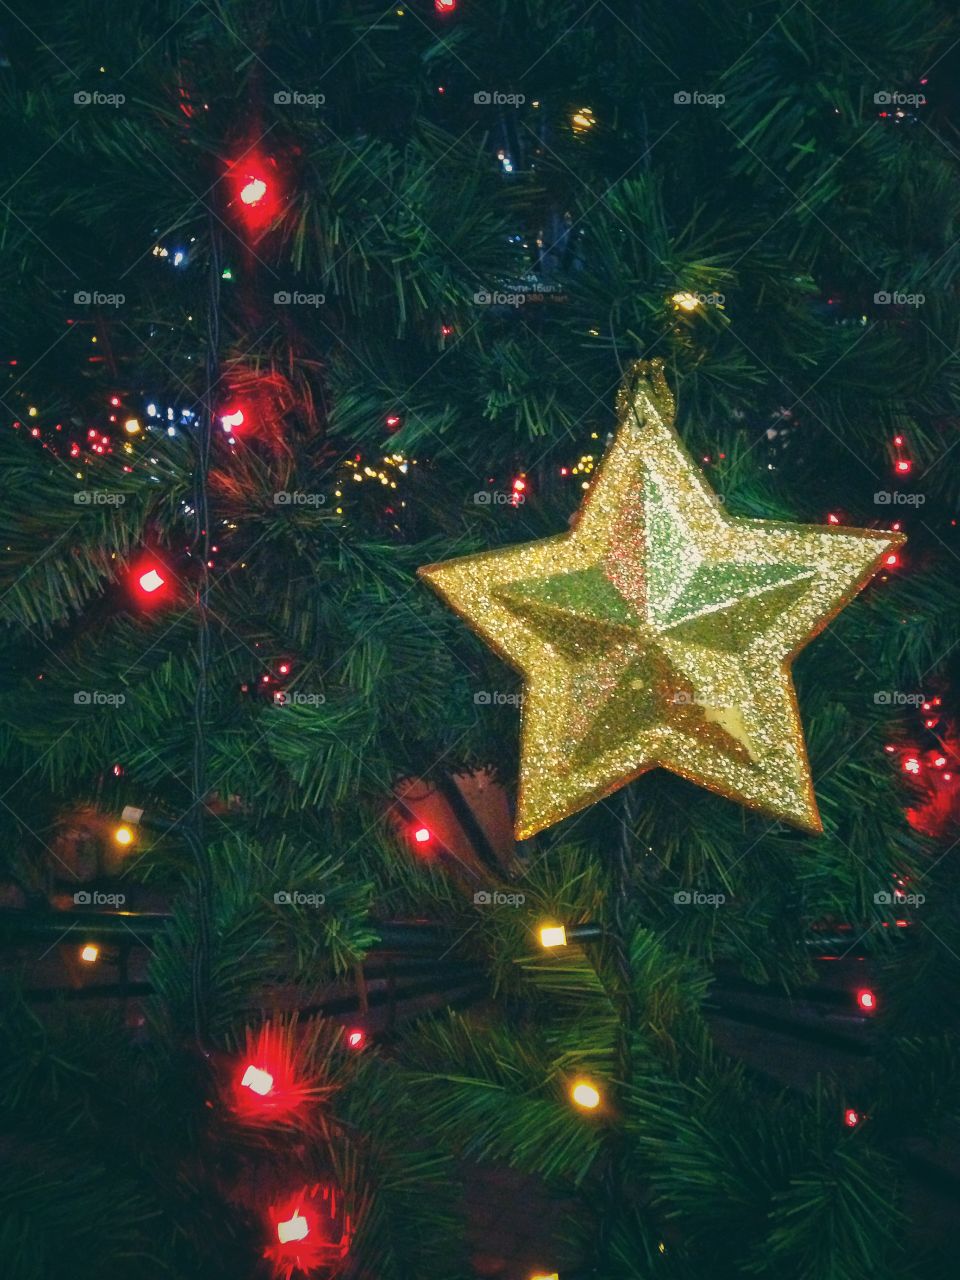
659	632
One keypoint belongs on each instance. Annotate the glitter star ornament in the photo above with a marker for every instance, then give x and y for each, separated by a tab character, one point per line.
659	631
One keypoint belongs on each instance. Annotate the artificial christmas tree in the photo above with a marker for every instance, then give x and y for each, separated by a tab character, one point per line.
303	297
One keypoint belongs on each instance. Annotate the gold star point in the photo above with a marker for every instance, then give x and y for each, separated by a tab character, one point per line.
659	632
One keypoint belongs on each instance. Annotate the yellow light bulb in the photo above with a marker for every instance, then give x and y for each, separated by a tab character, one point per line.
132	426
90	953
686	301
585	1095
553	935
123	835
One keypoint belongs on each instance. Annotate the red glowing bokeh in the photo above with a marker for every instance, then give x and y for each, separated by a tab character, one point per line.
256	189
150	582
232	419
271	1082
308	1230
866	1000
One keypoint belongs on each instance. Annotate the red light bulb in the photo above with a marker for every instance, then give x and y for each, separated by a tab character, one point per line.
253	191
832	519
422	835
867	1000
151	581
445	6
257	1081
892	560
309	1231
851	1118
256	188
904	466
295	1228
911	765
393	421
356	1038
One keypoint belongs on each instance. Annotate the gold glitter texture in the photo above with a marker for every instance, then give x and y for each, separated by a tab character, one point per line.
660	631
